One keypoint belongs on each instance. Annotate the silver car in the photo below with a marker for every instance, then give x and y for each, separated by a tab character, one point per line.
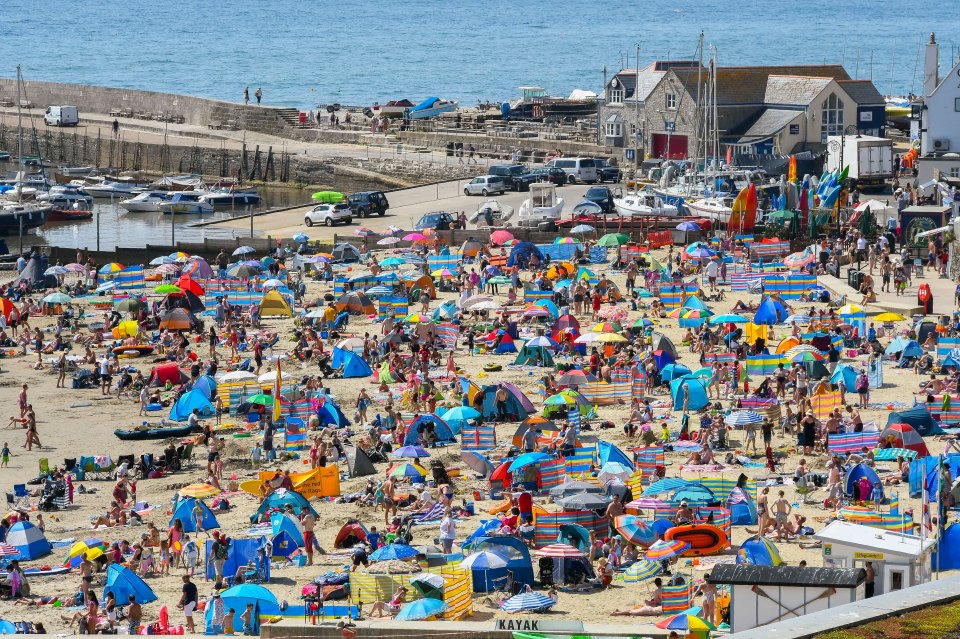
485	185
329	214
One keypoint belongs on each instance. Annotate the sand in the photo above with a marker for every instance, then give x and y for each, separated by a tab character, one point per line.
81	422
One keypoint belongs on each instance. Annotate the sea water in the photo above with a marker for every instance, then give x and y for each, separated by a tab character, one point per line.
308	52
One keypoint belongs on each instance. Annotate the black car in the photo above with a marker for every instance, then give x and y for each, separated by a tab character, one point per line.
515	176
367	203
549	174
602	196
606	172
439	220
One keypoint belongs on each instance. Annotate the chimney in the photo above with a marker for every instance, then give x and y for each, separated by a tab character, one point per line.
930	64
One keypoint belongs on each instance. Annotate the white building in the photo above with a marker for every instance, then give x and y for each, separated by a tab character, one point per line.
899	561
939	118
760	595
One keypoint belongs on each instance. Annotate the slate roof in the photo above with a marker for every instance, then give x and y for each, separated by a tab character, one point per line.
792	89
863	92
649	76
770	122
748	85
797	576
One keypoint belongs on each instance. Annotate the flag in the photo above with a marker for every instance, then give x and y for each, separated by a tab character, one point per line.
277	401
925	523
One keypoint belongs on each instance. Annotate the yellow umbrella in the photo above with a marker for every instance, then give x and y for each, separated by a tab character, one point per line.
77	549
889	317
850	309
128	328
93	553
611	337
199	491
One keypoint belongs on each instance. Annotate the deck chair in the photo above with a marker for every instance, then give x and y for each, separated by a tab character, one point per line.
21	495
44	467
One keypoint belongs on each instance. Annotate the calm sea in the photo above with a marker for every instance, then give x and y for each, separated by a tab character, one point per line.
308	52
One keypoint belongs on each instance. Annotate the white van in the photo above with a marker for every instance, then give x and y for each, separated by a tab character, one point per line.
577	169
61	116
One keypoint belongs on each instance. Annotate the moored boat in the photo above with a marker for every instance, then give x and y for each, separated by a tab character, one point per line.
140	433
186	203
713	208
640	204
431	107
146	202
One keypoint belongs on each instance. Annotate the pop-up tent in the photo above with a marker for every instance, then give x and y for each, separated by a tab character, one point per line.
607	452
688	390
523	251
441	428
535	356
518	561
28	540
273	304
278	500
743	512
236	598
351	534
167	374
359	463
345	252
123	582
759	551
661	342
189	401
355	303
353	364
904	436
918	418
206	385
184	513
855	474
946	554
240	553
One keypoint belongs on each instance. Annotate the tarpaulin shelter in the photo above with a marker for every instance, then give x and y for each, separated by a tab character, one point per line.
167	374
358	462
904	436
355	303
28	540
32	274
351	534
184	512
696	390
273	304
523	251
123	582
353	364
177	319
918	418
440	428
189	401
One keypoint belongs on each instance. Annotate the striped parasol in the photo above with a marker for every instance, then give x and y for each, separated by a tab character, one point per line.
666	549
527	601
558	550
635	530
642	569
743	418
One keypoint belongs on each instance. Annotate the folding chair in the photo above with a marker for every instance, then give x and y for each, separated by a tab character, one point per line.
21	495
44	467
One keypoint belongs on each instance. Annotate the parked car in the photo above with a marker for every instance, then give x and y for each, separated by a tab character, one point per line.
485	185
515	176
367	203
607	172
577	169
549	174
439	220
602	196
329	214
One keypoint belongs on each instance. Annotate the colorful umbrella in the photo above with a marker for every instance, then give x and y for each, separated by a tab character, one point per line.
575	377
388	241
393	551
415	452
635	530
558	550
699	252
606	327
199	491
483	560
414	237
112	267
408	470
582	228
364	232
743	418
642	569
696	313
688	226
728	318
663	549
527	601
606	338
565	240
686	623
806	357
613	239
889	317
262	399
167	288
499	237
443	272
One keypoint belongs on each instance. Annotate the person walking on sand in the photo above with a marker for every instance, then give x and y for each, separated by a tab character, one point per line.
116	128
188	601
258	94
781	513
246	95
22	401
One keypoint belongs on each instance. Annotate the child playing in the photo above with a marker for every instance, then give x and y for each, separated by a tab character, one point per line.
256	457
163	567
5	454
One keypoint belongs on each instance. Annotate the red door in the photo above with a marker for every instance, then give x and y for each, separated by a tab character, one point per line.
678	146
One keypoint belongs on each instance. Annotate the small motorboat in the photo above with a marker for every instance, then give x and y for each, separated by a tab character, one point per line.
106	188
226	198
491	213
141	433
431	107
643	204
543	205
717	209
146	202
75	212
186	203
392	109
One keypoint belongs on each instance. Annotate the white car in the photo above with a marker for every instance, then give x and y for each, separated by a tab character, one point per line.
485	185
329	214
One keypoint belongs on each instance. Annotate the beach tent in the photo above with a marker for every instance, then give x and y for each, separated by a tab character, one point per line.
273	305
278	500
283	545
904	347
187	402
358	462
535	356
946	554
607	452
846	373
123	582
924	327
330	414
574	535
422	283
28	540
571	568
176	319
565	321
743	512
759	551
351	534
288	524
855	474
524	250
696	389
185	300
514	550
206	385
904	436
32	274
918	418
199	268
441	428
355	303
353	364
769	312
501	342
167	374
660	342
184	512
345	252
786	344
237	597
518	406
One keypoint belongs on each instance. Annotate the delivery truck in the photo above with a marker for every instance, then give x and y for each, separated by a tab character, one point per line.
61	116
870	159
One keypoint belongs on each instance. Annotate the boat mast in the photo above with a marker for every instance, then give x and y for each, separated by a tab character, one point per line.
20	161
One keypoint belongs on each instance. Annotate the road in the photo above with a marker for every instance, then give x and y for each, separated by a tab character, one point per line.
406	207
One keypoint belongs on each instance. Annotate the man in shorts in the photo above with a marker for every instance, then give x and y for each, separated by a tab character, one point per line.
188	601
309	537
781	514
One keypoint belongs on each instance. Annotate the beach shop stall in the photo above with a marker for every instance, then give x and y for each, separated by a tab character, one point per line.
766	594
899	561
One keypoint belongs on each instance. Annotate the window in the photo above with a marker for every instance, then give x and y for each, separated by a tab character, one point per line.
794	129
956	104
616	95
955	171
614	129
671	100
831	120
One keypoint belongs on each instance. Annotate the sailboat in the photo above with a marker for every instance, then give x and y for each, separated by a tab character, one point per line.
17	214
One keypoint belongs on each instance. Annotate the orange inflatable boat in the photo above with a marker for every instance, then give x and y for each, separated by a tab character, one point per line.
704	539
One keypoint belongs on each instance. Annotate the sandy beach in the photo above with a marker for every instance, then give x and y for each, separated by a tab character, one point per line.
73	423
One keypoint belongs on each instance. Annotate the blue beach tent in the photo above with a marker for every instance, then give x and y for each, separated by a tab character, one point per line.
28	540
697	392
189	401
918	418
206	385
330	414
855	474
184	512
440	427
279	500
607	452
239	554
123	582
287	523
237	597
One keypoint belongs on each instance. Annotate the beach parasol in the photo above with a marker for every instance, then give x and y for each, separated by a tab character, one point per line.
742	418
582	228
408	470
388	241
483	560
499	237
393	551
806	357
889	317
613	239
484	306
56	270
527	602
797	318
57	298
565	240
112	267
160	261
575	377
728	318
696	313
244	250
460	414
635	530
364	231
688	226
262	399
301	237
163	289
414	237
558	551
686	623
199	491
73	267
642	569
416	452
699	252
606	338
421	609
128	305
663	549
850	309
606	327
243	271
428	584
169	269
584	501
443	272
237	376
528	459
392	261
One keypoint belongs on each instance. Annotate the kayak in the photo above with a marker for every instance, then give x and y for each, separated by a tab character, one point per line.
327	197
41	572
132	351
152	433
